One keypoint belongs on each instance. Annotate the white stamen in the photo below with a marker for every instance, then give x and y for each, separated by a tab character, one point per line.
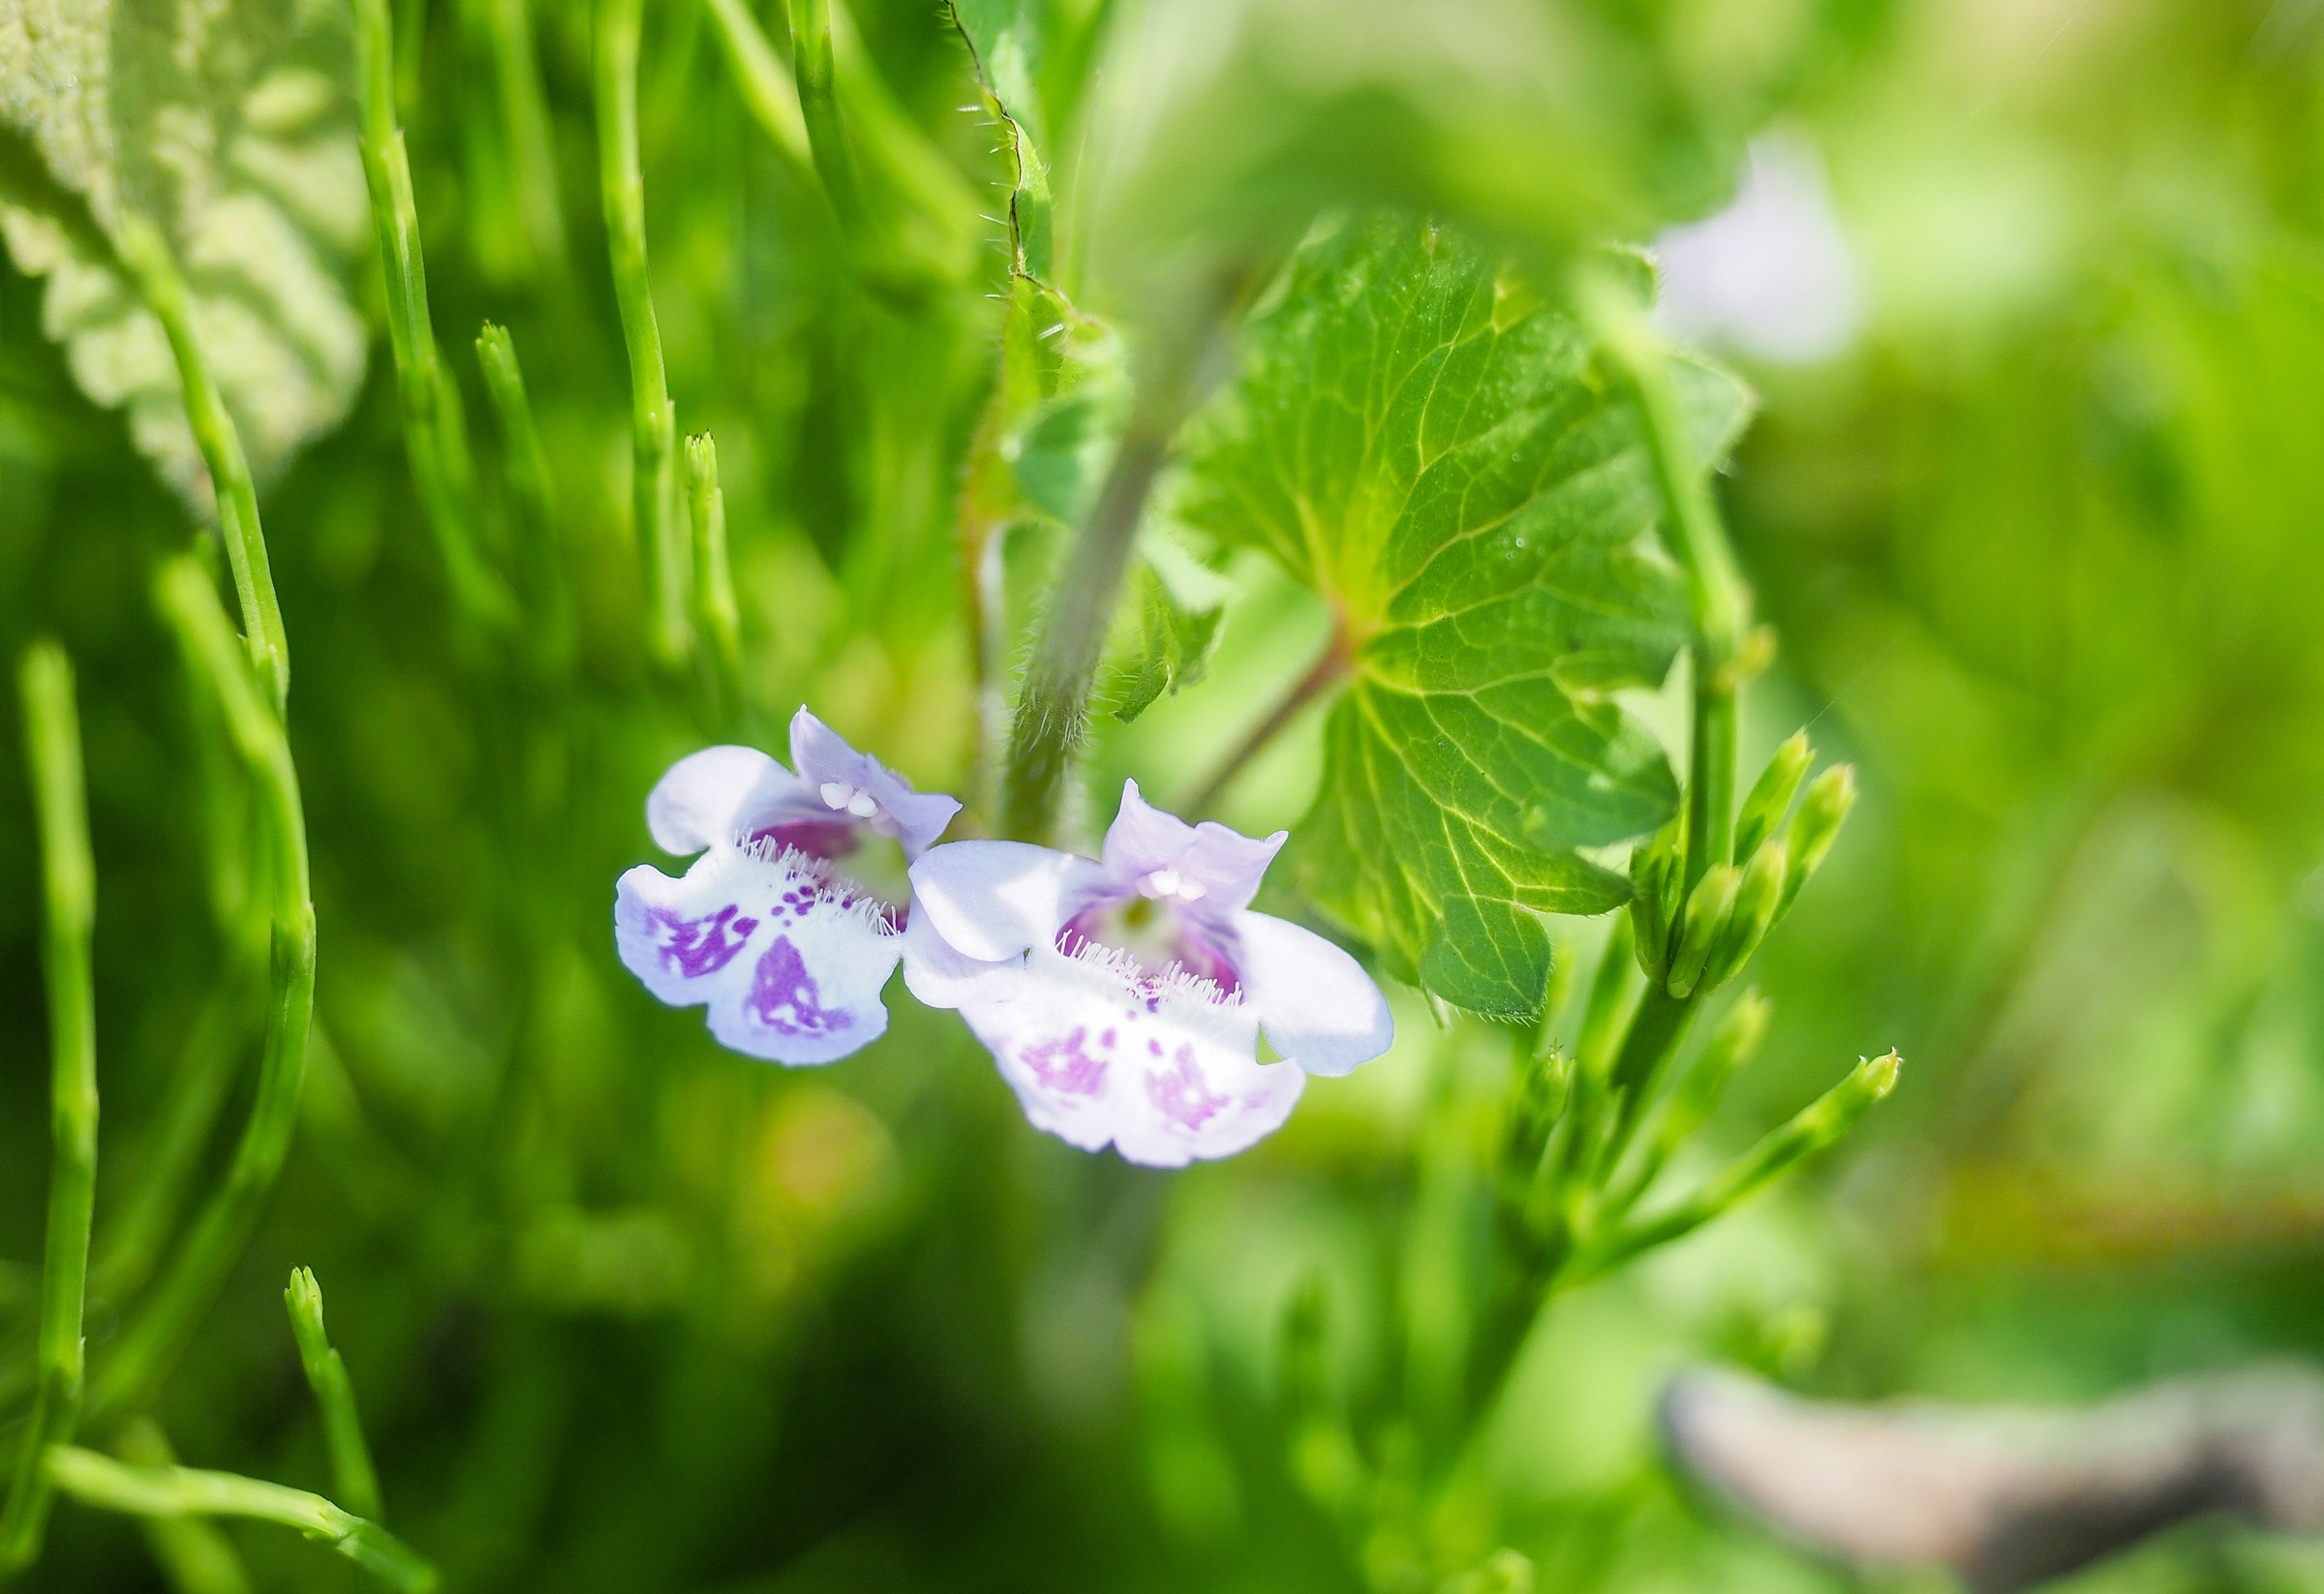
863	805
836	795
1162	882
1190	890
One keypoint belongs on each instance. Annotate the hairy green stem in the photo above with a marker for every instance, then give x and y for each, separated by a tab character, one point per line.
164	290
353	1478
68	903
151	1343
435	428
1053	706
185	1491
652	418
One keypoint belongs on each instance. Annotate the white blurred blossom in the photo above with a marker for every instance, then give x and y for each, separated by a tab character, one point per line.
1770	275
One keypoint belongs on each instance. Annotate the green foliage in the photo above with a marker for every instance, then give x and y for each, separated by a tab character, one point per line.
627	1312
231	128
1425	441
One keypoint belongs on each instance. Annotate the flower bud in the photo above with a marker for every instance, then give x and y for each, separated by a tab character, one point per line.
1771	794
1654	880
1756	903
1815	826
1707	912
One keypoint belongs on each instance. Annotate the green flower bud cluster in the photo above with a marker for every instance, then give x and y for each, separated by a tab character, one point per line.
1697	941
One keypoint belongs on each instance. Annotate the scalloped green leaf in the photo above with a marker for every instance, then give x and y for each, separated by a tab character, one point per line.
1431	445
232	129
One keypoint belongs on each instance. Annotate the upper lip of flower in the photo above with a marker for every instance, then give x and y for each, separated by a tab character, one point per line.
731	795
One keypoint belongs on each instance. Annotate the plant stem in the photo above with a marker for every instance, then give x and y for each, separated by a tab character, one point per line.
1657	1030
164	290
713	594
167	1163
539	554
1331	667
69	898
652	418
352	1476
1813	1129
1053	706
185	1491
526	130
768	90
151	1343
816	78
194	1554
1720	601
435	429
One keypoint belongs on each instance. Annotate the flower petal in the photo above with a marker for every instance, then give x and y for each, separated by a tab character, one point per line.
712	797
791	965
992	900
1225	864
823	756
941	975
1166	1074
1320	1009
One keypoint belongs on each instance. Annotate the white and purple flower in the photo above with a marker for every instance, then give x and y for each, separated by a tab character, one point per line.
788	952
1123	999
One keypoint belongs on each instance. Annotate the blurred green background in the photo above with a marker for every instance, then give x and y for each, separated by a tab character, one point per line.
627	1312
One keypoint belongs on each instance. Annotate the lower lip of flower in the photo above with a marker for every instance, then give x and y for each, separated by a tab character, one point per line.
1158	936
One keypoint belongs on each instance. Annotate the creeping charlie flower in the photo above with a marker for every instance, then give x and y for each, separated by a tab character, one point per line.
1124	999
788	952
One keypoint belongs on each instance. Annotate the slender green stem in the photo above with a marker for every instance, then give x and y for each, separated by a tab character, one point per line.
714	608
1053	706
194	1555
137	1233
1814	1128
1710	779
435	428
1719	598
816	78
185	1491
1329	669
69	901
151	1343
526	130
540	552
1656	1032
164	289
769	91
353	1479
653	420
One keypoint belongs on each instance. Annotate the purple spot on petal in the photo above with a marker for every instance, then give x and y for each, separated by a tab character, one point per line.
785	998
1106	1040
1155	1047
1181	1094
696	947
1063	1065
